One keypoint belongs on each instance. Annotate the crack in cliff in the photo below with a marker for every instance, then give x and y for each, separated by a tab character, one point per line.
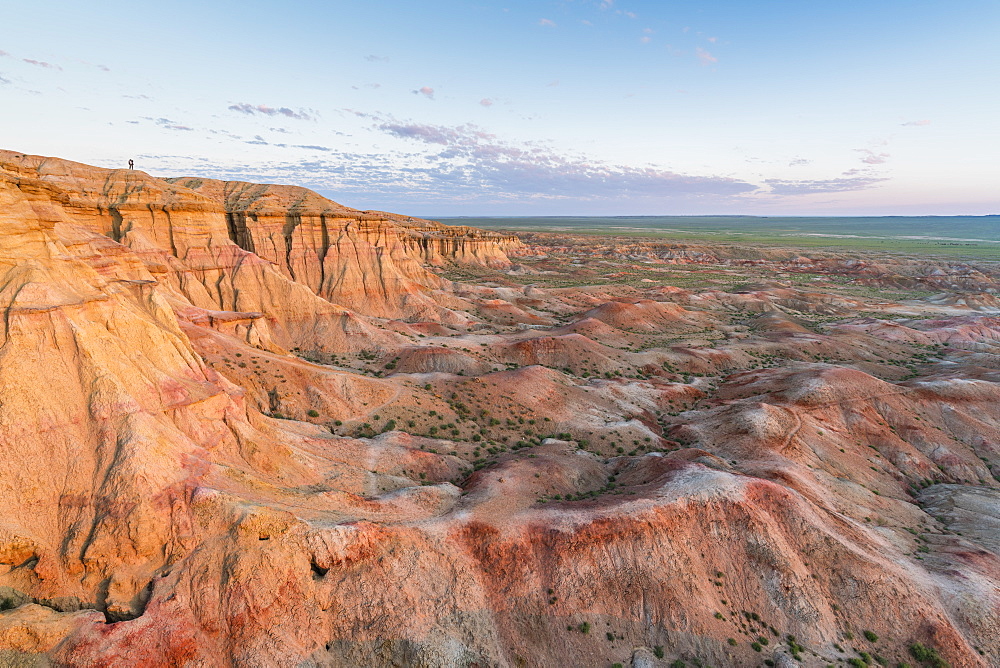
170	231
292	220
324	249
239	231
116	223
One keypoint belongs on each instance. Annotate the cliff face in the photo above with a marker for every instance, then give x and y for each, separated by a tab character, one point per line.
111	422
254	248
370	260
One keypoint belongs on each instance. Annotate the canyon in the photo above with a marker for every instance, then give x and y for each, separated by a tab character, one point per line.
244	425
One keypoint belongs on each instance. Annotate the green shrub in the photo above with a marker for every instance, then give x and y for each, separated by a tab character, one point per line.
658	651
928	655
313	413
584	627
871	636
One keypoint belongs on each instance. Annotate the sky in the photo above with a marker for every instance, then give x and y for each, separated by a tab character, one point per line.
545	107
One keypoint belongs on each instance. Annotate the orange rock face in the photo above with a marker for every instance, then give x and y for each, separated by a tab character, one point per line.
244	425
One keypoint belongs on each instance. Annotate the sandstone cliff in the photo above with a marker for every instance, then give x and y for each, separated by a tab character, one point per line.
253	248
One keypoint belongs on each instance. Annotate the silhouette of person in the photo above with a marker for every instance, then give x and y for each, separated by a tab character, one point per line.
131	164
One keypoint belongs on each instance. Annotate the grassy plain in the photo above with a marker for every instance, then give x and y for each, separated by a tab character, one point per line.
955	237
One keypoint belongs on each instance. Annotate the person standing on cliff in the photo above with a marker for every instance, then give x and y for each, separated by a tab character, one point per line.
131	163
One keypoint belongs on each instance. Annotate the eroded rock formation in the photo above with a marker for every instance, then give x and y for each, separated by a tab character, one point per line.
495	475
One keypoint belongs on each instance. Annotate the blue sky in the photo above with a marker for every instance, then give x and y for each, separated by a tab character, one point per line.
520	108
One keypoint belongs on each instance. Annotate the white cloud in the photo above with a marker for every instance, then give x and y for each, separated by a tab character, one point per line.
804	187
872	158
467	156
41	63
704	56
251	110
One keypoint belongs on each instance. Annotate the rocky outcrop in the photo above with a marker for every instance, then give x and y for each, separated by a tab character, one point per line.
255	248
368	260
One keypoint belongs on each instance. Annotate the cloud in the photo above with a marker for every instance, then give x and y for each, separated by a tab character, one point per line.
704	56
466	157
798	162
486	102
547	22
631	15
426	91
553	83
168	124
3	53
41	63
252	110
783	187
3	80
872	158
922	122
377	59
104	68
607	4
645	39
427	133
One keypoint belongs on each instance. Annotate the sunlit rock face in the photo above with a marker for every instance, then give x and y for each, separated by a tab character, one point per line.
242	424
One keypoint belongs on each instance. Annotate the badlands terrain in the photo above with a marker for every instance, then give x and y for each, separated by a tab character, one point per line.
244	425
